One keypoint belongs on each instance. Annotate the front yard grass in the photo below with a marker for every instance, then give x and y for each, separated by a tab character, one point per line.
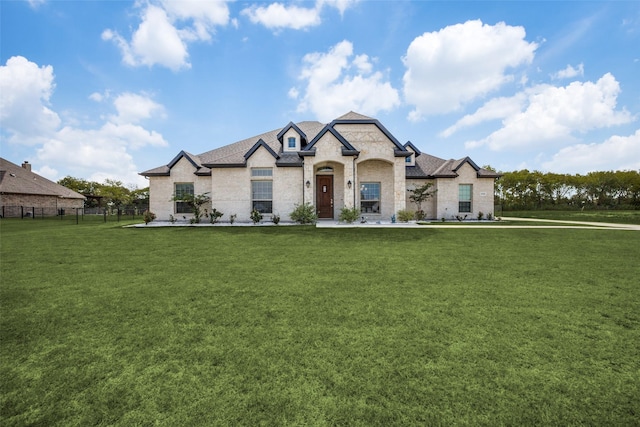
250	326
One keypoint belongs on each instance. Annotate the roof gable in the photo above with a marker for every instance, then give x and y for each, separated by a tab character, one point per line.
413	148
347	149
291	125
461	162
354	118
257	145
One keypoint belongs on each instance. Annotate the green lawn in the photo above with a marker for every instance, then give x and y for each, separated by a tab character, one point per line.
184	326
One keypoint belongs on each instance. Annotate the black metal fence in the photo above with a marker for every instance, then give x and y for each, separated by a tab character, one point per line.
74	214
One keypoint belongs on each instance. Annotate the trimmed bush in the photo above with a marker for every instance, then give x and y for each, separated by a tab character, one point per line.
304	214
405	215
349	215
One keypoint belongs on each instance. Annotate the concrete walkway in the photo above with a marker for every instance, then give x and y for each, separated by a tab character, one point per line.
545	223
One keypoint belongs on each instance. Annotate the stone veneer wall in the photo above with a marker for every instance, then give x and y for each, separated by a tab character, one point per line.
447	194
162	188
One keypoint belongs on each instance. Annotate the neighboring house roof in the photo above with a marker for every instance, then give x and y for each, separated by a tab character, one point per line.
16	179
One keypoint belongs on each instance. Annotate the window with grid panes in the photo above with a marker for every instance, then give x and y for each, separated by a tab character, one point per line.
464	197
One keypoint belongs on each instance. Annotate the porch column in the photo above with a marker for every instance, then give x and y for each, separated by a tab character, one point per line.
399	185
350	177
308	176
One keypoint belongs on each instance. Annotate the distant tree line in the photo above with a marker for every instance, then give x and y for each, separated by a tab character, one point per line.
525	190
110	194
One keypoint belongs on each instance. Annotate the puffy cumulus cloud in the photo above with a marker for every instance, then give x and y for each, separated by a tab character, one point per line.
448	68
569	72
99	153
24	105
156	41
205	16
278	16
335	84
88	153
545	114
160	39
616	153
132	108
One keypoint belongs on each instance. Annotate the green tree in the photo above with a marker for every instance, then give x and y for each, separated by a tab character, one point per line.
114	193
420	194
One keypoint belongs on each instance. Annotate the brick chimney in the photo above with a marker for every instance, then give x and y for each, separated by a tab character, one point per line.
27	165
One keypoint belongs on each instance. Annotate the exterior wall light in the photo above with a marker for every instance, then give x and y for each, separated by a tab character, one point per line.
349	184
308	184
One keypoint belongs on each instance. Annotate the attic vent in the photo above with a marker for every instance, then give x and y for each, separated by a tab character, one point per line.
325	169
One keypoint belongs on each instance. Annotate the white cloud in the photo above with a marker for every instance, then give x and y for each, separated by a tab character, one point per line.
569	72
132	108
24	105
616	153
34	4
335	84
553	114
277	16
494	109
341	5
161	40
451	67
204	14
97	97
85	153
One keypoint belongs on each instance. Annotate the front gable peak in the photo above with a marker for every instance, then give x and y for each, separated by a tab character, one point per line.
255	148
347	148
291	125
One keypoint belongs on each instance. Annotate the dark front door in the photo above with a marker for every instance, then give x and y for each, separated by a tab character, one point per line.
324	196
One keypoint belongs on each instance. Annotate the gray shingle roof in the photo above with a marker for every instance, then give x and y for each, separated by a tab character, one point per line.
427	166
15	179
234	155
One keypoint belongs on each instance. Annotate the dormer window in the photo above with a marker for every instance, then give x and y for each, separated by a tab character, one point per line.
408	159
292	142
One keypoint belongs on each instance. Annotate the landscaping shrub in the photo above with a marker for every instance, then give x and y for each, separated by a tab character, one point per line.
214	215
256	216
405	215
148	216
304	214
349	215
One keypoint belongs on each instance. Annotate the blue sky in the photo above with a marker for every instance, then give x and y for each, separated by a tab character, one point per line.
107	89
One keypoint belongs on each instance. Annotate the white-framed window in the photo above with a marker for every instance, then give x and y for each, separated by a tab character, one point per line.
182	189
370	197
261	172
262	190
464	197
262	196
292	142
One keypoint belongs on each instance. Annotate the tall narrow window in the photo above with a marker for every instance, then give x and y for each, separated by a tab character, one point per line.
370	197
183	189
464	197
292	142
262	190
